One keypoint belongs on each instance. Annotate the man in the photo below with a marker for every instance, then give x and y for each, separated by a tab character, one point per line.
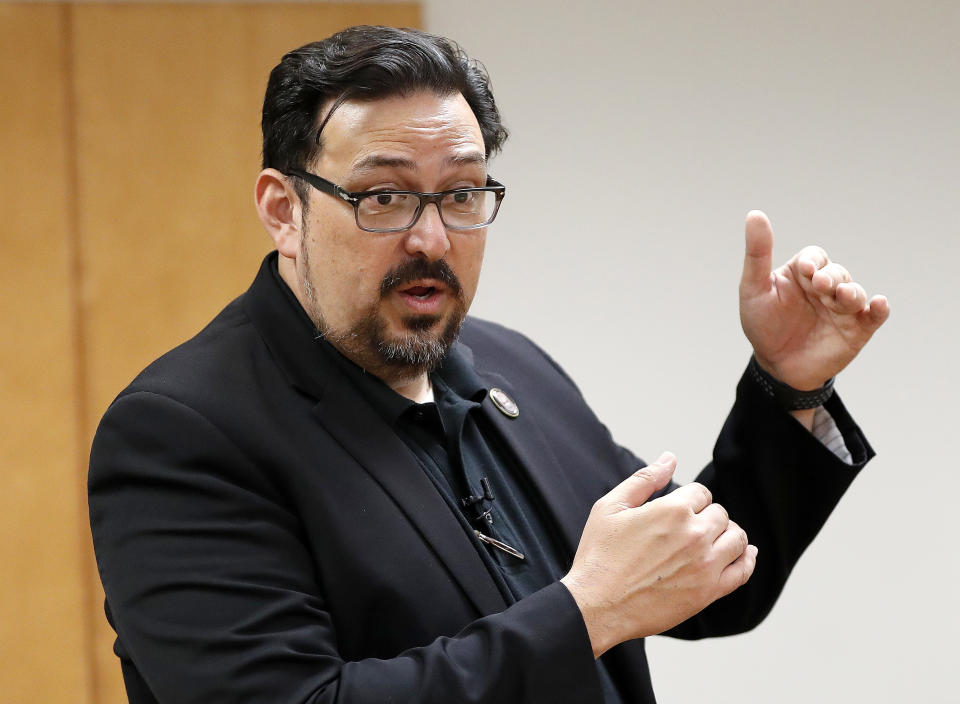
343	491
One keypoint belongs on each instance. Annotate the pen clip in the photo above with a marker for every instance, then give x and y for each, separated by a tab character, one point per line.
498	544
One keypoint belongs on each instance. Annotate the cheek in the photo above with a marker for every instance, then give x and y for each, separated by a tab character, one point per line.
354	267
471	260
341	267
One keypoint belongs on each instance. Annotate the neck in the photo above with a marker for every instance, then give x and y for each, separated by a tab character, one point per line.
416	389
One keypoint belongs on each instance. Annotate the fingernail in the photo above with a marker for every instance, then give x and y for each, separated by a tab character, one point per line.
665	458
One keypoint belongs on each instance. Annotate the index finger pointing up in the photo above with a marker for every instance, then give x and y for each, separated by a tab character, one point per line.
758	256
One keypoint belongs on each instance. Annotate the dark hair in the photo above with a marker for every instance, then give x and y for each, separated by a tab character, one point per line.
365	63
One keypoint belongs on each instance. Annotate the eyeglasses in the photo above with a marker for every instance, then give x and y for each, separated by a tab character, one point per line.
395	211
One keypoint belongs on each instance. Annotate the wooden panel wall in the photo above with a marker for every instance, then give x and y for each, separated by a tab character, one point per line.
43	555
131	133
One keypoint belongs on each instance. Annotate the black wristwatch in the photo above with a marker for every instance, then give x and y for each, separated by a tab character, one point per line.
786	396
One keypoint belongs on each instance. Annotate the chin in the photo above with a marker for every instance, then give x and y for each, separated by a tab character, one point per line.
423	343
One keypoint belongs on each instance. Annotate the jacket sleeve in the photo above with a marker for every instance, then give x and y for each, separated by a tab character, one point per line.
215	598
780	484
774	478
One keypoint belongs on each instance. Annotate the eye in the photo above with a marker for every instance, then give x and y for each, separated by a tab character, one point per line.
463	201
387	204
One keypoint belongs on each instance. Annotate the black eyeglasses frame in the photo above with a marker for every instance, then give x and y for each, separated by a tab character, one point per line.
353	198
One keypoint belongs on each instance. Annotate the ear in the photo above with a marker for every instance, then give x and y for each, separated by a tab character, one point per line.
279	209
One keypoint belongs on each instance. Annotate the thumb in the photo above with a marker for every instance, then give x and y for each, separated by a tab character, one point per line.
758	257
641	485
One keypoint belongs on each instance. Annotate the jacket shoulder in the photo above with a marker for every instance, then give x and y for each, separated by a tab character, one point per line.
220	356
494	346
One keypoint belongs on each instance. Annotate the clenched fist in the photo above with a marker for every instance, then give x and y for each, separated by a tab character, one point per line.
644	566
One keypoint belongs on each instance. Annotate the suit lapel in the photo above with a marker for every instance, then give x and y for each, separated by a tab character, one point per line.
289	334
535	456
378	450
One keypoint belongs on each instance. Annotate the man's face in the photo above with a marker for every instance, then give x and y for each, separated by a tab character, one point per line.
393	302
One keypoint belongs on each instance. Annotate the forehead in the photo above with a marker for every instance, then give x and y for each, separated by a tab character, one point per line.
422	128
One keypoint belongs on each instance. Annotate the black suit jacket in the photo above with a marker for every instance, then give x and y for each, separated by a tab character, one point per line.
263	536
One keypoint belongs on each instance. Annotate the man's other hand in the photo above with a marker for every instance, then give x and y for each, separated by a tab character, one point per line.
644	566
808	319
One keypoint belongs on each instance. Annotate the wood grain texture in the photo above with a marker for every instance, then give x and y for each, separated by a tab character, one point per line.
44	621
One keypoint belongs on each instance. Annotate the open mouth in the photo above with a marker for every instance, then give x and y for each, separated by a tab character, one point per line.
425	297
421	292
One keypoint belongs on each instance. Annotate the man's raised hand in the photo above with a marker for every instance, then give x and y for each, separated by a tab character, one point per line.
808	319
644	566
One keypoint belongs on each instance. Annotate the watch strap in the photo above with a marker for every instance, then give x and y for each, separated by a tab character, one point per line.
786	396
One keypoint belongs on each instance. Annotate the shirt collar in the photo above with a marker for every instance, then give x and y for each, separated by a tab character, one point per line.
458	373
455	375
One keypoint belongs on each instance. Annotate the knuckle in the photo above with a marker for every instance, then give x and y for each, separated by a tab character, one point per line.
644	474
742	541
677	512
840	272
815	253
701	492
698	533
739	533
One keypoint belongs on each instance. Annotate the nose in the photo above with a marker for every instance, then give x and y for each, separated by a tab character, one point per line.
428	236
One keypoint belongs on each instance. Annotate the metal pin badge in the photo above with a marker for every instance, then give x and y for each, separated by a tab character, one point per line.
504	403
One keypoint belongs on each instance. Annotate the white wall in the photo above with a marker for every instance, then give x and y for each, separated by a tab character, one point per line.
641	134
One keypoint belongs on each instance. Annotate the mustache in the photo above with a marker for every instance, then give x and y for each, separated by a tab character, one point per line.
415	269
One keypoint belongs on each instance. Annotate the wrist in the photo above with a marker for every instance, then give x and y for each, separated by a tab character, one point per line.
805	417
786	396
601	637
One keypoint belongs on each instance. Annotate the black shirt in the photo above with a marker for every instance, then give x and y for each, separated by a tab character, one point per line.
472	471
484	486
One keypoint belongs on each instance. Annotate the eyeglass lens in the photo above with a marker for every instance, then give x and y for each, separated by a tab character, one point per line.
463	209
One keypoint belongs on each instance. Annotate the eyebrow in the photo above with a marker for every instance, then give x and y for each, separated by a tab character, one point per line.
376	161
466	159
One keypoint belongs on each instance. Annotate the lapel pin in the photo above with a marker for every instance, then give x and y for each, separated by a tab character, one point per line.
504	403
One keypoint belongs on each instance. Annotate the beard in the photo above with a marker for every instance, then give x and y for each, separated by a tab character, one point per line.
424	340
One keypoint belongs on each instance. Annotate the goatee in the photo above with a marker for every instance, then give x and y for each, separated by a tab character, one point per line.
419	348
